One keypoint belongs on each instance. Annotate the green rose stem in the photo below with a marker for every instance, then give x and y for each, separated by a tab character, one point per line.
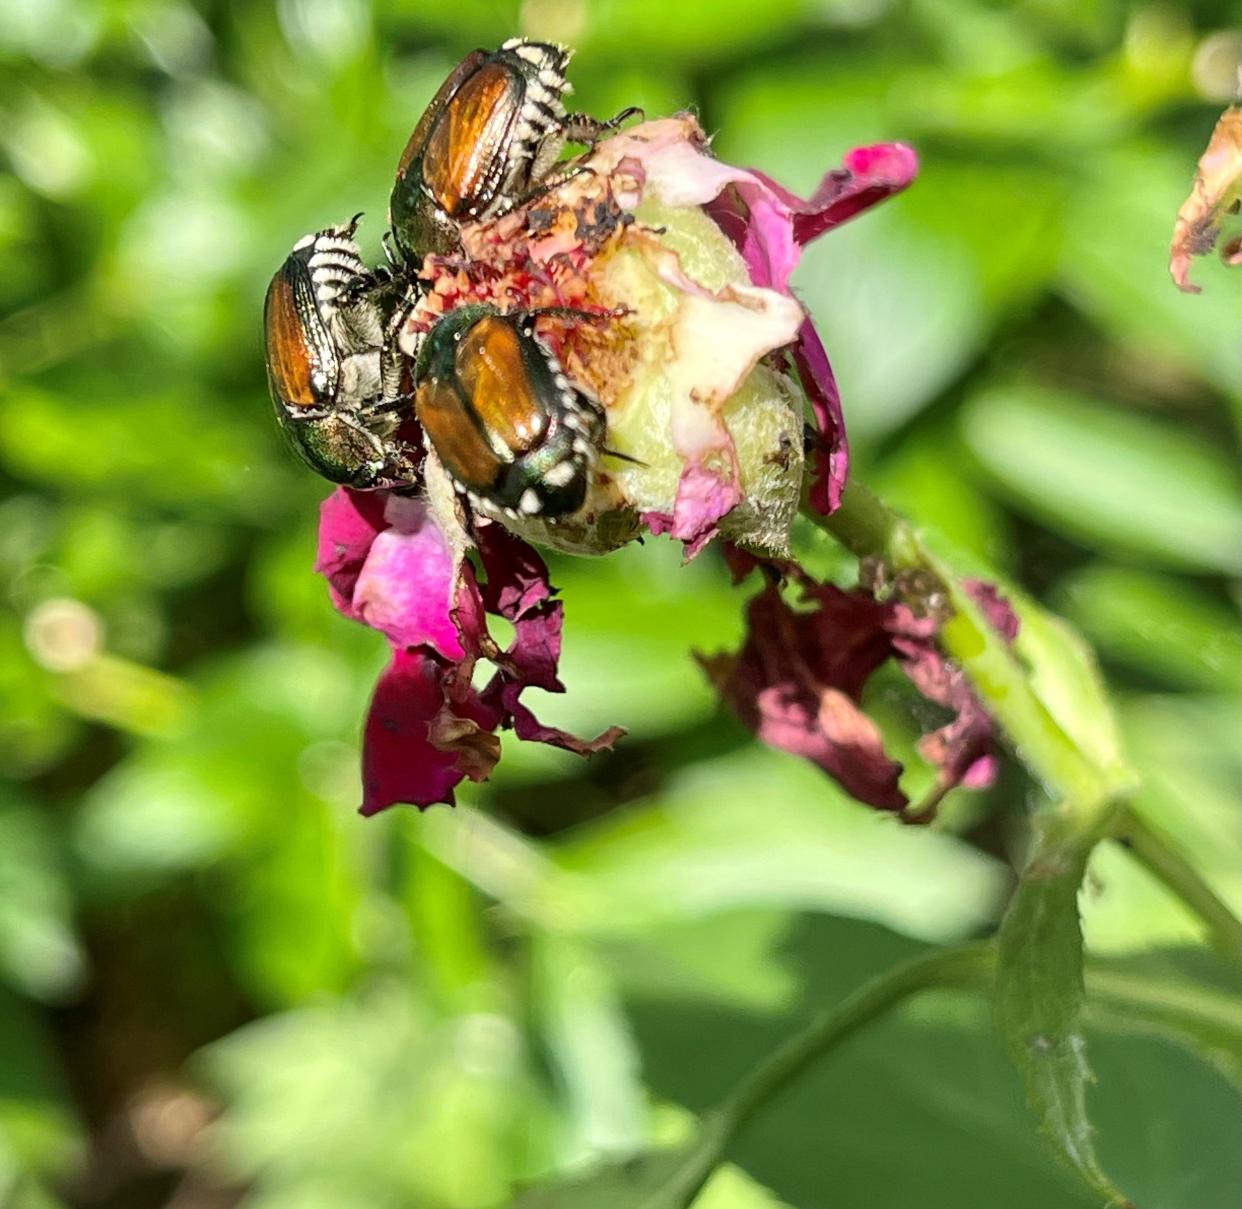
1156	852
962	967
1039	997
870	529
966	966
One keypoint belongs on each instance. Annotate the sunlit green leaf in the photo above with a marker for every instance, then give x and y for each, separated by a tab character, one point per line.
38	950
1156	625
1118	482
1191	996
668	1179
1039	1002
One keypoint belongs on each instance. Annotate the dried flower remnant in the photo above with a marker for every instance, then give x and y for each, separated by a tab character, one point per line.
797	683
1217	193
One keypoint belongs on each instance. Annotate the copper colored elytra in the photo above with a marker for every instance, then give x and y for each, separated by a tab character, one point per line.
293	358
507	425
333	371
488	141
439	352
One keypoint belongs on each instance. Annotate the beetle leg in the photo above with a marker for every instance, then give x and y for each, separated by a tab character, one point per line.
376	281
582	128
554	180
392	252
383	406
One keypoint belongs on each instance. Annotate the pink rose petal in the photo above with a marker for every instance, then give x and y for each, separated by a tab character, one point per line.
348	523
832	449
408	581
1216	193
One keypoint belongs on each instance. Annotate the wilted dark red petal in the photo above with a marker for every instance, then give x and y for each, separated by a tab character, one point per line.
400	762
517	578
473	746
348	523
517	588
960	750
797	680
526	726
963	749
468	613
996	608
799	677
531	662
831	455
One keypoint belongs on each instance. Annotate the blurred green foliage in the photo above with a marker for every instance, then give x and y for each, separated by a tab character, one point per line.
218	986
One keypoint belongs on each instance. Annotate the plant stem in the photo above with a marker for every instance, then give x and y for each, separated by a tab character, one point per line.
966	965
1158	854
869	529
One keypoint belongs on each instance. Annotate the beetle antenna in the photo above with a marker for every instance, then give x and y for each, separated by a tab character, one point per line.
573	312
623	457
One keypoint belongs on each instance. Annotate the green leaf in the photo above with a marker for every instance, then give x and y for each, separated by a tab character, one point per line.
38	1133
1039	1002
1115	266
669	1179
633	30
1064	675
1190	996
1159	626
590	1045
1120	483
377	1099
923	1104
760	828
732	1188
38	950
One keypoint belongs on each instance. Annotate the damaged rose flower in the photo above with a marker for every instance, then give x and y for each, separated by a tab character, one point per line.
659	278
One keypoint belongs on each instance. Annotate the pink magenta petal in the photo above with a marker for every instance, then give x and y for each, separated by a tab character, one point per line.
869	175
770	226
400	763
407	586
832	449
348	523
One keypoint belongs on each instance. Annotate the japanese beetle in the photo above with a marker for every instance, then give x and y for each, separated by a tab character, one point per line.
485	143
332	370
510	429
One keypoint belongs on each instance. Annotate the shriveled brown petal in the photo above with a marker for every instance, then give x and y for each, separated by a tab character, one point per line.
1217	192
799	677
797	681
